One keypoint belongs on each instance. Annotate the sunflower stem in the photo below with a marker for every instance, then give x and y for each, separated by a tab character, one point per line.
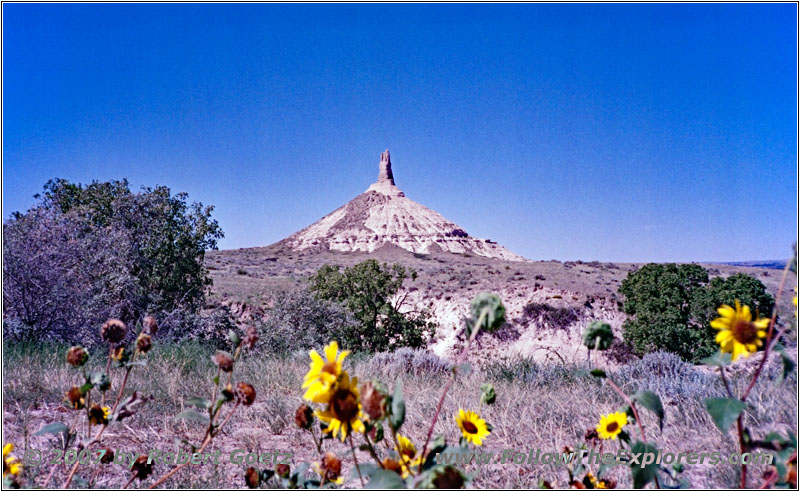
355	459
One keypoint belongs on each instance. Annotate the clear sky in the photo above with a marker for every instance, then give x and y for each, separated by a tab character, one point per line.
614	132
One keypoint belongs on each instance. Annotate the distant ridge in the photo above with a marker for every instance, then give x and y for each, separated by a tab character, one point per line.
772	264
382	215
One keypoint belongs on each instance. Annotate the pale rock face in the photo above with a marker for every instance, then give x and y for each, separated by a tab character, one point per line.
383	214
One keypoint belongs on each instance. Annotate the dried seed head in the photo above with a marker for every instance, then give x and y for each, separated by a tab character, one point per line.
113	331
223	361
141	468
108	457
331	466
75	398
373	402
150	325
449	478
77	356
252	478
245	393
250	338
304	417
282	470
144	343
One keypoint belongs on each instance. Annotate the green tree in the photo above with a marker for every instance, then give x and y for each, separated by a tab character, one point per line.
373	293
670	307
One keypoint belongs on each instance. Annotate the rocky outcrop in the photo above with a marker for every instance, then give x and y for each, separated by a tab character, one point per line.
383	214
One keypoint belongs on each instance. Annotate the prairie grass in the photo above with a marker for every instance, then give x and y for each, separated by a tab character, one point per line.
538	406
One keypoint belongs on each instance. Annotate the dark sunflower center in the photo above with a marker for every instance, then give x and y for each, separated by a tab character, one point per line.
744	331
329	367
612	427
344	405
408	452
470	427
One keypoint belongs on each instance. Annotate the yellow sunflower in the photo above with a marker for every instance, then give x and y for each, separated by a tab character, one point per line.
611	425
408	455
322	374
738	334
11	465
472	426
98	415
344	408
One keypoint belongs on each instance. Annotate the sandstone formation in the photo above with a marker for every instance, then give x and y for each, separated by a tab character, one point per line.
384	215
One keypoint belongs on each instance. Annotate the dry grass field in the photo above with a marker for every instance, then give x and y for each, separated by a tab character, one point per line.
538	406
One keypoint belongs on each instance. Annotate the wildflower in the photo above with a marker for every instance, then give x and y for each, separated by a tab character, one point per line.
113	331
97	415
141	468
223	360
75	398
144	343
245	393
304	416
77	356
738	334
472	426
599	484
118	353
331	468
344	411
393	465
250	338
323	373
282	470
252	478
150	325
373	401
227	392
611	425
11	464
408	454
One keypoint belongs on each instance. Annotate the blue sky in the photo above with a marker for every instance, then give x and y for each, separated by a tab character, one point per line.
614	132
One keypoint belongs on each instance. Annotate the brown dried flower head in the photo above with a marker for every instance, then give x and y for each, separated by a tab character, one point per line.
282	470
304	417
75	398
108	456
144	343
150	325
331	466
373	401
223	360
245	393
77	356
141	468
252	478
113	331
250	338
97	415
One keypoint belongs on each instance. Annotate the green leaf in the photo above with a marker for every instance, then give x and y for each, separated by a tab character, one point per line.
386	479
719	359
598	373
193	415
788	363
724	411
489	307
464	368
652	402
198	402
398	415
234	338
53	428
488	394
642	475
86	387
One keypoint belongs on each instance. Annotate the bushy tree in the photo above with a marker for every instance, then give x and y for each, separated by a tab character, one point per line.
85	253
373	294
670	307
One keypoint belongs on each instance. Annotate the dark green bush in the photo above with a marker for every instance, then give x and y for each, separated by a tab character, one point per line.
373	294
670	307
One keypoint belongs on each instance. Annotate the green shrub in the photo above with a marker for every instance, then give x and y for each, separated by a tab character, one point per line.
670	307
372	293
